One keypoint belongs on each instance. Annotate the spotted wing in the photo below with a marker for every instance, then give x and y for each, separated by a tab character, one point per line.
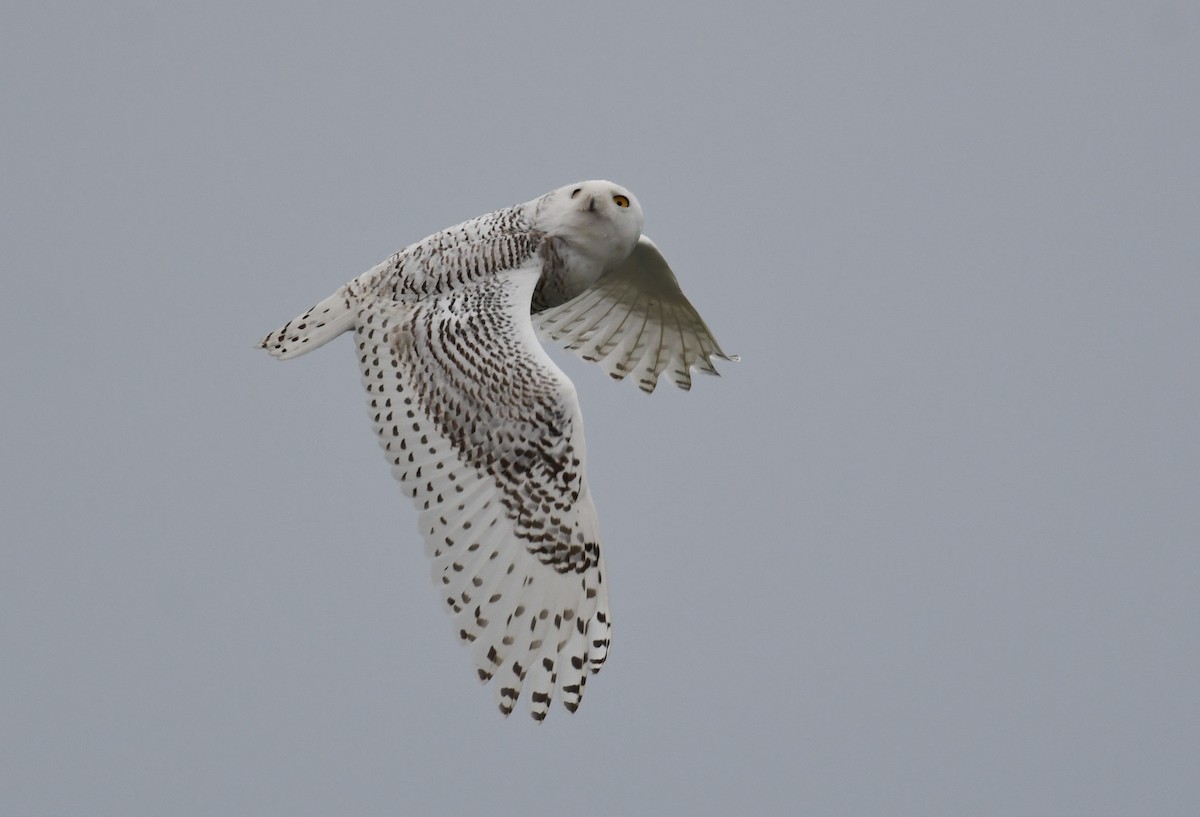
635	319
485	434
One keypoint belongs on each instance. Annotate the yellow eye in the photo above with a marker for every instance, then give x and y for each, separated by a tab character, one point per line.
620	200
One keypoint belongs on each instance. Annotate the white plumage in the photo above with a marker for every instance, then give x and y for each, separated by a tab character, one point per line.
484	431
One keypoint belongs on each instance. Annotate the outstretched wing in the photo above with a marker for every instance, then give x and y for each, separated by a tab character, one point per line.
635	319
485	434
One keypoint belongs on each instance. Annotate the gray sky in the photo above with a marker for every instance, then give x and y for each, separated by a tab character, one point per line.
930	549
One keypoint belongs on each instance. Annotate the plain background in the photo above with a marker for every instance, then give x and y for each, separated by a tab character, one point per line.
930	549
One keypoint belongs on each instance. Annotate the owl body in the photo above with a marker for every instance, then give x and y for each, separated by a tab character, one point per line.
484	431
574	245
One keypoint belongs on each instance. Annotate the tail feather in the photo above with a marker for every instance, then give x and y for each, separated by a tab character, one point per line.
316	327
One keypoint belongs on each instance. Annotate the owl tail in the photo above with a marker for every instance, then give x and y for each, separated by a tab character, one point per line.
314	328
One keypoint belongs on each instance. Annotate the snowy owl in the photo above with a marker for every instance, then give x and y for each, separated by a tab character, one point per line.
484	431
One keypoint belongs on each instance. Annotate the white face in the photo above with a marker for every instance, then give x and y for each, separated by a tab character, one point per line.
597	218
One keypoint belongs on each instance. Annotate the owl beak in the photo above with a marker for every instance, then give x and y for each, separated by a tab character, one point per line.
591	204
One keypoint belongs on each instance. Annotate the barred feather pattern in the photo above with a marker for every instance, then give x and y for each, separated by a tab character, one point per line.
487	441
458	255
636	320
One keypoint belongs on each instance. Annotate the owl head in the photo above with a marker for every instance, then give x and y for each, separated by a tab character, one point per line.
599	219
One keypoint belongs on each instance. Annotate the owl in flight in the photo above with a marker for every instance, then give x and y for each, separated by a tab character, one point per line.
484	431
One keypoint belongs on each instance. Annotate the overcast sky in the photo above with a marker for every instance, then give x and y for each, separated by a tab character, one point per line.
931	548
